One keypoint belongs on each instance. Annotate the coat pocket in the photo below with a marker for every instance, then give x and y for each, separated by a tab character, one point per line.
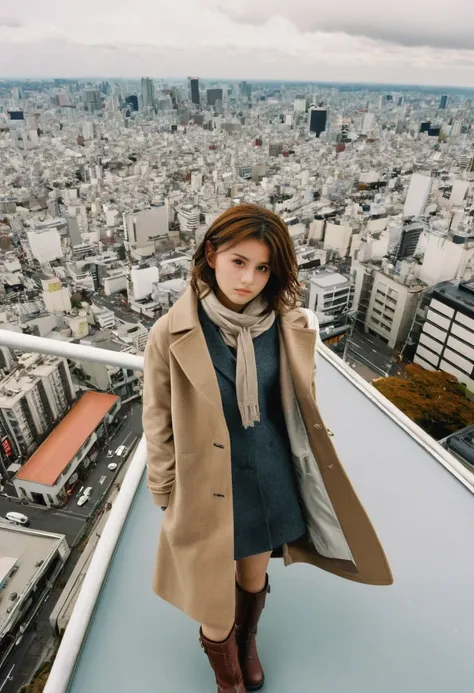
324	529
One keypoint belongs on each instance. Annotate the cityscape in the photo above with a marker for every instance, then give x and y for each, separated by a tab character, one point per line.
106	188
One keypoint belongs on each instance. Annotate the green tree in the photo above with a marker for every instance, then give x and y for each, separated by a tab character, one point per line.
432	399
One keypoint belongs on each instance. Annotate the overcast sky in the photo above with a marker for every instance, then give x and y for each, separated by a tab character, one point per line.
406	41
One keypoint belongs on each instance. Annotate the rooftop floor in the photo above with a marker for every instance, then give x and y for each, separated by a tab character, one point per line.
318	632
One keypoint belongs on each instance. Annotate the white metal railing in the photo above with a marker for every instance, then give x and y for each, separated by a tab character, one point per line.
73	638
69	350
62	670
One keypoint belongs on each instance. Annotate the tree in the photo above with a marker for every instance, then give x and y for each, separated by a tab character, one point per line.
432	399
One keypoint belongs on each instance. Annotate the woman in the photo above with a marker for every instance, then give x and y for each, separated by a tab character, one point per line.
238	455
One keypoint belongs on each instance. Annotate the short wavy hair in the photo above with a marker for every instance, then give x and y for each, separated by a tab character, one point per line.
240	223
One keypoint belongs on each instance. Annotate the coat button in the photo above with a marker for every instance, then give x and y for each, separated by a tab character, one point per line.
218	445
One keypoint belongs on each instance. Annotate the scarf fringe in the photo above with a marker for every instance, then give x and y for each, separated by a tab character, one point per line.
250	414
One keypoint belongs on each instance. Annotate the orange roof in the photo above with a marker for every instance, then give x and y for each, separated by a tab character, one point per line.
60	447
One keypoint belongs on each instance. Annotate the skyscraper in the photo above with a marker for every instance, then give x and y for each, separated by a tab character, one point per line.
317	119
132	100
214	95
92	100
194	90
443	101
148	92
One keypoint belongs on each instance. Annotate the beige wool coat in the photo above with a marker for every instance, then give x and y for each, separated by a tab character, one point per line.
189	471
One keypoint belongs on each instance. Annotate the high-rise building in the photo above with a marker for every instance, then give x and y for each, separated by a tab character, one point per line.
143	226
245	90
132	100
448	333
194	90
147	92
443	101
317	119
92	100
214	95
417	196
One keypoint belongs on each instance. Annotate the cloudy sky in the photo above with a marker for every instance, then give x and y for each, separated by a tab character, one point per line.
406	41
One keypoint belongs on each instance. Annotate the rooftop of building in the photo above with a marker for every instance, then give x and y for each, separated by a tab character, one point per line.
328	277
60	447
460	297
31	549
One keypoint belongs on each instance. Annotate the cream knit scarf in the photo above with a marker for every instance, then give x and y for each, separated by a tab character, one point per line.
238	330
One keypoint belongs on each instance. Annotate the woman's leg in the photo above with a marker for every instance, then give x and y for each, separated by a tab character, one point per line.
220	646
252	572
216	634
251	592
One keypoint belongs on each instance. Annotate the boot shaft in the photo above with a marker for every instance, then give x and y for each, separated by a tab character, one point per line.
224	660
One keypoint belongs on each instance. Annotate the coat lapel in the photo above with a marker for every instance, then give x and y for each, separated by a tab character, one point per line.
299	344
222	358
191	351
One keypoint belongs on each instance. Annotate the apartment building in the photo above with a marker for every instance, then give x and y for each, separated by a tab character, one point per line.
32	399
386	302
447	339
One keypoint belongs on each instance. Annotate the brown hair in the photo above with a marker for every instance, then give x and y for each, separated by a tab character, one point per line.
239	223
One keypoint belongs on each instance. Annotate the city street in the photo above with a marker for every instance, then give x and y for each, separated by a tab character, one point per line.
371	352
71	522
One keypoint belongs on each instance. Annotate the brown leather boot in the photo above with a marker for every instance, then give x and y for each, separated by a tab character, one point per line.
249	608
224	659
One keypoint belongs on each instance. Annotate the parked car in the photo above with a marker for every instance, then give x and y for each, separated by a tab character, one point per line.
82	500
18	518
112	466
120	450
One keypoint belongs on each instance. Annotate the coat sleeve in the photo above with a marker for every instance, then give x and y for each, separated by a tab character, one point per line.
157	425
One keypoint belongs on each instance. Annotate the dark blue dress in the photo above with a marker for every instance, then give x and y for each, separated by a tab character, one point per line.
267	510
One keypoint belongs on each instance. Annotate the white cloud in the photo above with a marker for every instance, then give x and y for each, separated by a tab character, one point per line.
281	39
445	25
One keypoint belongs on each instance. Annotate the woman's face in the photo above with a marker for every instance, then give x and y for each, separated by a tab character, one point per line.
242	271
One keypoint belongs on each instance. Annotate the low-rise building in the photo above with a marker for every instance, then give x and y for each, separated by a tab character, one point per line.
30	562
69	450
329	292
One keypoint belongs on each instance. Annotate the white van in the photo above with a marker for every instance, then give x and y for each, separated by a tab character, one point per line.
120	450
18	518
